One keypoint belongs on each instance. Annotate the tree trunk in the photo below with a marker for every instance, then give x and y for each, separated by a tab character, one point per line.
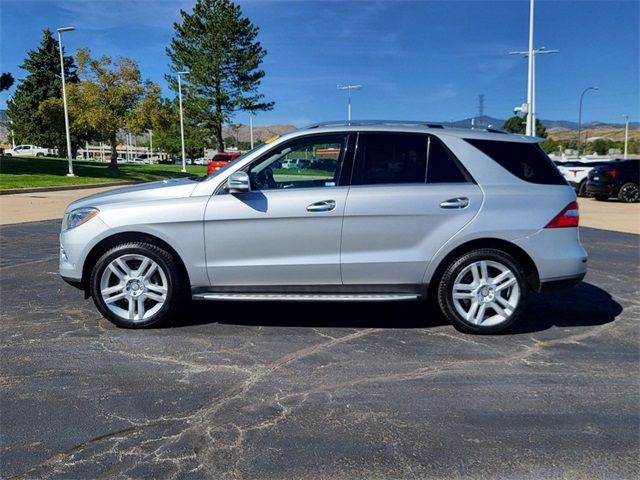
217	132
113	164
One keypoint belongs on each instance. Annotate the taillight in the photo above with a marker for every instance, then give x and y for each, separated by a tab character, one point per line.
568	217
611	173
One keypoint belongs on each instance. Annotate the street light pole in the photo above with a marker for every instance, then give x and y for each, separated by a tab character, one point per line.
580	115
184	164
531	103
626	134
64	98
531	129
349	88
251	128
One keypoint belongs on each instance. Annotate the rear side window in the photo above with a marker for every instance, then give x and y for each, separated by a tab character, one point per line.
393	158
443	166
385	158
527	161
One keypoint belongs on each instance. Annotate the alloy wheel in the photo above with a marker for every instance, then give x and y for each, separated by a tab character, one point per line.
486	293
133	287
629	192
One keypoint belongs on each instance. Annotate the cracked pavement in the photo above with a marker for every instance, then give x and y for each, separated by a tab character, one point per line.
277	390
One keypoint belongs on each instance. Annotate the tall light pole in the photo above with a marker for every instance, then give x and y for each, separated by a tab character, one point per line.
184	163
626	134
531	126
349	88
150	146
64	98
251	128
580	115
531	102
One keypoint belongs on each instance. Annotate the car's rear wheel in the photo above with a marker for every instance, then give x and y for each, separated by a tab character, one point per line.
601	198
136	285
483	291
628	193
582	188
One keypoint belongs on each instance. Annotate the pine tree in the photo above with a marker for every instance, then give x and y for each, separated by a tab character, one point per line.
43	82
218	46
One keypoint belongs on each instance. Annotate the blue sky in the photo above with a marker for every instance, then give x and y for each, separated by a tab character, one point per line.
417	60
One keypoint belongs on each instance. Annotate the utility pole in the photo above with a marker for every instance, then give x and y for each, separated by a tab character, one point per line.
626	134
349	87
150	145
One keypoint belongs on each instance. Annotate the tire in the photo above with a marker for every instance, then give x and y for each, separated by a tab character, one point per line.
7	154
39	154
628	193
601	198
502	306
137	278
582	188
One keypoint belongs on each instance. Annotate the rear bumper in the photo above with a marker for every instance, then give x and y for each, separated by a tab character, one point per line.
597	188
557	254
562	283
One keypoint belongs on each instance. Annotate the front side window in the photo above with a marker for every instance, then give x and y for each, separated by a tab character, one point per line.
312	162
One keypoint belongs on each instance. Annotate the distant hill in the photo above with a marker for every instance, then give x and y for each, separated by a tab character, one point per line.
558	128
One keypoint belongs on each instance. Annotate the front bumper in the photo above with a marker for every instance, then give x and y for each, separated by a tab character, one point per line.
75	245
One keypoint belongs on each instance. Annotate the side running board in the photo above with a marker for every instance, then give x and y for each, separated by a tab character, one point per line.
305	297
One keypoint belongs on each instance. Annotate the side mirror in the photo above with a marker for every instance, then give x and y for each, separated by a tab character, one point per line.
238	182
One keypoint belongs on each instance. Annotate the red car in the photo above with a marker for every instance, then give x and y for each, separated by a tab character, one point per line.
221	160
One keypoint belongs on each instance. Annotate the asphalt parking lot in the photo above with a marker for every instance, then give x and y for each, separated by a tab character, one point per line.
318	391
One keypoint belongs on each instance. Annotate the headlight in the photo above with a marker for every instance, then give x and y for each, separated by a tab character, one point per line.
79	216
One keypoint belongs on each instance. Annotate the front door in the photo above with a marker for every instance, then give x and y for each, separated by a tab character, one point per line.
286	231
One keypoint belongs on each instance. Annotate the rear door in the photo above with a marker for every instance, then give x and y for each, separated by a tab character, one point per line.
409	195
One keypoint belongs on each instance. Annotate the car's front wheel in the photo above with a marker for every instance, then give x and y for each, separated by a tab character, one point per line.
628	193
136	285
483	291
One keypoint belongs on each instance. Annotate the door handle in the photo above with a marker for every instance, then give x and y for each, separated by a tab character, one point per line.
460	202
323	206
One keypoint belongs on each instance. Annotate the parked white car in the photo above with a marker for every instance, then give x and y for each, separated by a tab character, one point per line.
27	151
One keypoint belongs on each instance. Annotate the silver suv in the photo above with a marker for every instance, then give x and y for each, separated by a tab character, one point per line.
368	211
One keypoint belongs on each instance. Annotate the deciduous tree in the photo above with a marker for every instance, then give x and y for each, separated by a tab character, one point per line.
517	124
111	96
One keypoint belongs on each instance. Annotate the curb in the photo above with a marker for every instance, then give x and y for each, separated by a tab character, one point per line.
13	191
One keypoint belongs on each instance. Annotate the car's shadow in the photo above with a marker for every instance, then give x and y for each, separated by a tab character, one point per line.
584	305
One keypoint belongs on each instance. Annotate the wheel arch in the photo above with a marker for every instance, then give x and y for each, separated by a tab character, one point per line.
522	257
125	237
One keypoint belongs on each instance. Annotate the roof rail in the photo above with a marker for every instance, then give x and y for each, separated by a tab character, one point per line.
361	123
414	123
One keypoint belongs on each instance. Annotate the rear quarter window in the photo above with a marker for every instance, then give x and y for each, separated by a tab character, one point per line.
527	161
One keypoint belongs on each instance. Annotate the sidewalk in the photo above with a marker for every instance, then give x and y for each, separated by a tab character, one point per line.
33	207
36	206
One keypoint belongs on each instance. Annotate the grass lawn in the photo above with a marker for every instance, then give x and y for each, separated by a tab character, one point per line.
17	172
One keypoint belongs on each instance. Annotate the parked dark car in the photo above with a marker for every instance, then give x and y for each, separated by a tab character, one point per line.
619	179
